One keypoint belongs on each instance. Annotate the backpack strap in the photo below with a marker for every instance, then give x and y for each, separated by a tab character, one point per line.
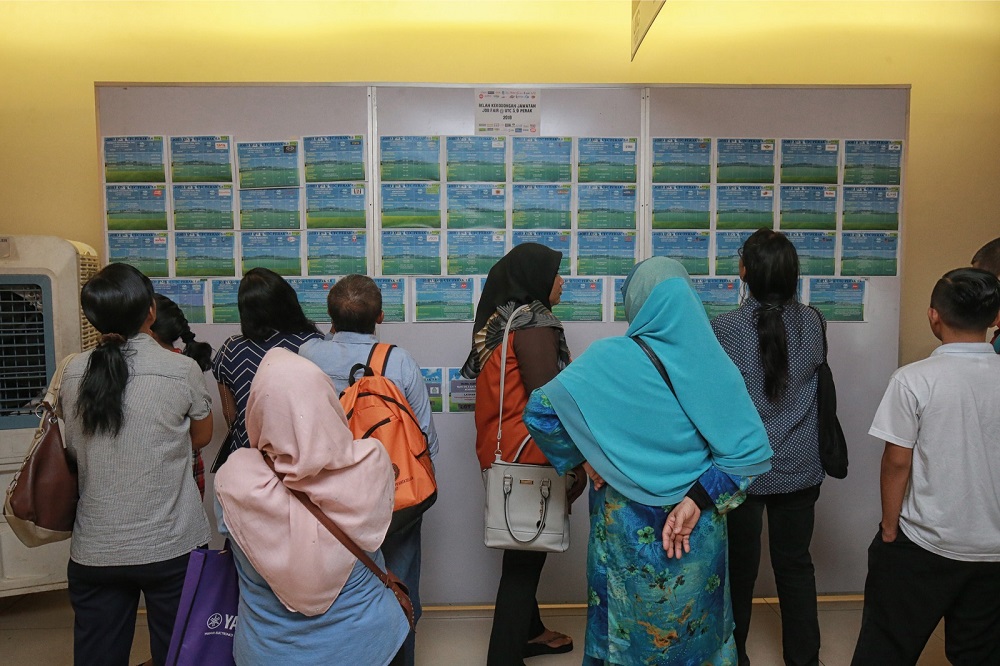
378	357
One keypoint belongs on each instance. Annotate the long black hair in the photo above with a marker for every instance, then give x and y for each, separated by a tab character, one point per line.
771	273
268	305
116	301
171	324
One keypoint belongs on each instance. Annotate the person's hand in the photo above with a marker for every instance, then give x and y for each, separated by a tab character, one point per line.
594	476
889	533
579	484
677	530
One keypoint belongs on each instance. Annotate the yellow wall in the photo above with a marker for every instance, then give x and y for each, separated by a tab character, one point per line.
52	53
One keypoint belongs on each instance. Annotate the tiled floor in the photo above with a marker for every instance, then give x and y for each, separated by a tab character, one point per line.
37	630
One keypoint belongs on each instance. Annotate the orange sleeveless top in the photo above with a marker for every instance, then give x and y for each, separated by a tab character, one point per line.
488	412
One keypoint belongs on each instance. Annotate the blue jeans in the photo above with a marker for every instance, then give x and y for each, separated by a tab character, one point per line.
402	556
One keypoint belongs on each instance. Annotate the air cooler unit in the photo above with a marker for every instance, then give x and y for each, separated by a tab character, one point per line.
40	323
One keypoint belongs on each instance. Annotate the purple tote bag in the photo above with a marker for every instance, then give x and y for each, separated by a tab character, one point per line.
206	616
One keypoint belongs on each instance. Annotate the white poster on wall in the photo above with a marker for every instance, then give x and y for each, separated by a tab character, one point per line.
508	111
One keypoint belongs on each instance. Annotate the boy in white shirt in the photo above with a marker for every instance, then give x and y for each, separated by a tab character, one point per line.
937	553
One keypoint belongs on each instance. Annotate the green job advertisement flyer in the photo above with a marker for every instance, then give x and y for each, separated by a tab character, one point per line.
688	247
332	158
270	208
336	206
809	160
411	205
476	158
869	253
543	159
393	298
606	206
679	160
336	251
225	305
872	162
474	252
718	295
410	157
268	163
582	300
744	206
411	252
461	392
541	206
278	250
434	382
189	295
871	208
744	161
201	159
619	299
134	159
147	252
606	160
808	207
312	293
477	205
136	207
605	252
838	299
205	253
727	247
443	299
205	206
682	206
555	240
816	250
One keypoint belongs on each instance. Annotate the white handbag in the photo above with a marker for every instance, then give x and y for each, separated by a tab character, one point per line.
526	505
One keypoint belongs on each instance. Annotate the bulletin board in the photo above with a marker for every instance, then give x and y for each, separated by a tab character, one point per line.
394	181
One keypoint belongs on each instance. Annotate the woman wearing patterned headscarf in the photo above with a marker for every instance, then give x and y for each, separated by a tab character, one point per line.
667	460
777	343
304	598
524	286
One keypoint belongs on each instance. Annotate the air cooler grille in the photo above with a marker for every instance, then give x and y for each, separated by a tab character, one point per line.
23	379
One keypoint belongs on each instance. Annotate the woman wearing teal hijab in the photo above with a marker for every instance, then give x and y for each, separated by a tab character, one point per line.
667	462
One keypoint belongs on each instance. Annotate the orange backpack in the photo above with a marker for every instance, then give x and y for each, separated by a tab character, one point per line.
375	407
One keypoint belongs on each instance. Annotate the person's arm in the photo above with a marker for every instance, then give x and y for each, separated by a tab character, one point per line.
228	404
551	437
896	464
415	391
537	353
201	432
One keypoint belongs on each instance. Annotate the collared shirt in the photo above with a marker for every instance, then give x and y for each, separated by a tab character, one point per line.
791	422
336	354
947	409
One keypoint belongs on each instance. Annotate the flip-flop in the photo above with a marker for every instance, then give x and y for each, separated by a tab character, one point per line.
539	648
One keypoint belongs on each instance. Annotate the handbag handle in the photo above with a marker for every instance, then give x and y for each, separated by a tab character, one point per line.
544	491
503	376
388	578
51	399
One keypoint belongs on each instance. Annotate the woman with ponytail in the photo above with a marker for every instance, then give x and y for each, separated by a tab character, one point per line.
133	413
171	325
777	343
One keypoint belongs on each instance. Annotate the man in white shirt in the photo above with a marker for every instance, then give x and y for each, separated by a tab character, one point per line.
937	554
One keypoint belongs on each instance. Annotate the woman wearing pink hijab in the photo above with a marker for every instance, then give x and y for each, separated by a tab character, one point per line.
304	599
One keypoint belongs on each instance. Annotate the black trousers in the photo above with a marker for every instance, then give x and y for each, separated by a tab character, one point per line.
516	619
909	590
105	601
790	518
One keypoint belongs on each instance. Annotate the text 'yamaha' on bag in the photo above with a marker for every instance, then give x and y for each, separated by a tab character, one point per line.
40	504
526	506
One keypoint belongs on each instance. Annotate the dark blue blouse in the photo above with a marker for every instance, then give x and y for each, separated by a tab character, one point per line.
791	422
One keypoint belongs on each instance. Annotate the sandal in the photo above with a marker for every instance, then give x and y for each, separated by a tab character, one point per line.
538	648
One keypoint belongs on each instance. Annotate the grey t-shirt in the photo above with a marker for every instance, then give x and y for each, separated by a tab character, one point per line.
138	499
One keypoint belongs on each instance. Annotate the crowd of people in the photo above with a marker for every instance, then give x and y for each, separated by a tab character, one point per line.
678	486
